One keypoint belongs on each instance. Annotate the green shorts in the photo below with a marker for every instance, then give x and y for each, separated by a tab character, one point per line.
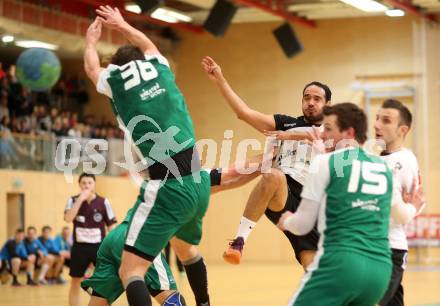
105	280
167	209
344	278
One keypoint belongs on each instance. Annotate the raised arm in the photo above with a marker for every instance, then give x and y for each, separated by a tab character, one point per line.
72	210
91	57
112	18
260	121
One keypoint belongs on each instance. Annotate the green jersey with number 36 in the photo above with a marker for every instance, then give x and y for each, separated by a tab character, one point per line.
355	192
147	102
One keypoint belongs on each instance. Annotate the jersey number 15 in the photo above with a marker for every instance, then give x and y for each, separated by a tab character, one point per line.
374	180
135	70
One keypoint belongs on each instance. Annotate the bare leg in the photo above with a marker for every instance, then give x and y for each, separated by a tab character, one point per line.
15	263
58	265
270	192
131	273
74	293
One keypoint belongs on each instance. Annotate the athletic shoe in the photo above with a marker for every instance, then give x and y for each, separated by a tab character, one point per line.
60	280
32	283
43	282
233	254
16	284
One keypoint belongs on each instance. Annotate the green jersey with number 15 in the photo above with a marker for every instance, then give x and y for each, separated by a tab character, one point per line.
147	102
354	190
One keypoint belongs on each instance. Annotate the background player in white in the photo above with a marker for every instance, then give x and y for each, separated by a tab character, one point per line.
278	190
393	123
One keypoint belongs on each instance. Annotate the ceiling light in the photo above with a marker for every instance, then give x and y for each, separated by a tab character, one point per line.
35	44
7	38
170	16
134	8
367	5
395	13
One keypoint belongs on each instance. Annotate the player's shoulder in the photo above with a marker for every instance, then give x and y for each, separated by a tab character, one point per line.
403	156
157	57
408	154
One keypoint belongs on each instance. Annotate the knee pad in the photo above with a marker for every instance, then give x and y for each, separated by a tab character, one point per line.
175	299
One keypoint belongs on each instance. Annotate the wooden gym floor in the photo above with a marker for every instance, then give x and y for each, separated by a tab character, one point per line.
249	284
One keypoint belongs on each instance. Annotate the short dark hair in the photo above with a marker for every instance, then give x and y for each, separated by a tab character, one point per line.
31	228
404	113
19	231
327	91
85	174
126	54
46	227
349	115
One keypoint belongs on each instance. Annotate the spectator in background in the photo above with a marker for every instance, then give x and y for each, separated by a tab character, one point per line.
73	119
4	110
53	114
57	127
8	155
54	275
44	120
64	242
75	131
34	247
14	252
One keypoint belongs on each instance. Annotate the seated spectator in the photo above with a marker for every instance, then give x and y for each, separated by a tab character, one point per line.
64	242
15	255
54	274
34	247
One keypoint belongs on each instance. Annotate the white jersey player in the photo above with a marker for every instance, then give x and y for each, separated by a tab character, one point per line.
393	123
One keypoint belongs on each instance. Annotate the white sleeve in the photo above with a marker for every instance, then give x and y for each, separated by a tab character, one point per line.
317	179
159	57
103	86
401	212
69	204
304	219
109	210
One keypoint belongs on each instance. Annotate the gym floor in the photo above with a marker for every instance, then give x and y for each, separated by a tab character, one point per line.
249	284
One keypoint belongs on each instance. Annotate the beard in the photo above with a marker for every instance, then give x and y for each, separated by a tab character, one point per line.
314	119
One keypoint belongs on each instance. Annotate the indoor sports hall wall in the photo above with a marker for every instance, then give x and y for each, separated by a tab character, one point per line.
337	52
46	194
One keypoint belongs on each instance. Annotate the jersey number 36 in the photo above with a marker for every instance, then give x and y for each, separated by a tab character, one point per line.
134	71
373	181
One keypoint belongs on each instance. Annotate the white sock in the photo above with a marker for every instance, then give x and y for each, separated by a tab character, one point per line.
245	228
43	271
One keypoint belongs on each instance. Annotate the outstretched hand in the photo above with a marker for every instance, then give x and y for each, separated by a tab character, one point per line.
94	32
110	17
211	68
416	197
